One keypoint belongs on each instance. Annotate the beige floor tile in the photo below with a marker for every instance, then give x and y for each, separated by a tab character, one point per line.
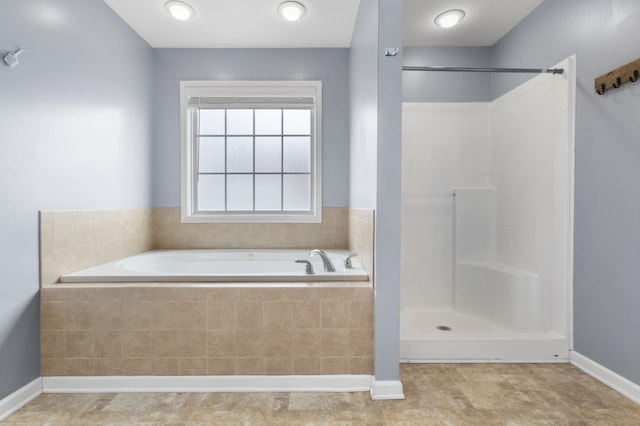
436	394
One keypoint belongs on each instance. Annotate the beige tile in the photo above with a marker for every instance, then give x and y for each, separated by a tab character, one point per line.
52	315
250	343
64	235
435	394
221	343
360	314
80	344
278	365
277	343
305	314
136	315
53	343
136	366
221	314
221	366
108	366
193	344
53	367
277	314
165	344
136	344
79	315
361	365
108	343
361	342
334	342
249	315
192	315
165	367
107	315
306	366
79	366
334	314
334	365
249	366
193	366
165	315
306	343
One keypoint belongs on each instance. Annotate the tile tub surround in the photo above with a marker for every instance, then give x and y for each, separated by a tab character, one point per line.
206	330
170	233
361	236
73	240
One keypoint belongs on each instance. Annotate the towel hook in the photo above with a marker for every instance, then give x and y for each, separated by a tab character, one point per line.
11	58
617	84
602	89
634	78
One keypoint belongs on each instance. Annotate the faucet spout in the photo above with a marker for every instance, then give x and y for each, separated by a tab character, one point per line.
326	263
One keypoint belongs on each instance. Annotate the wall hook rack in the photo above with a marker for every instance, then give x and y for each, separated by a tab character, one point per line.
616	78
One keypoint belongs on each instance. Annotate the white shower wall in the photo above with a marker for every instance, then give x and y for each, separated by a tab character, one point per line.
530	152
443	146
518	145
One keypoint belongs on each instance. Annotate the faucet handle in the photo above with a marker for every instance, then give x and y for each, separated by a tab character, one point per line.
309	268
347	260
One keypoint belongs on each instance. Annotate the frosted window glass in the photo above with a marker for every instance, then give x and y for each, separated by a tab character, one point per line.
296	195
268	196
268	122
211	155
210	192
268	154
239	155
211	122
297	154
240	192
297	121
239	121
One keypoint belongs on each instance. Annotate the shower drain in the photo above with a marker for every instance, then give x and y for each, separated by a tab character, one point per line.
444	328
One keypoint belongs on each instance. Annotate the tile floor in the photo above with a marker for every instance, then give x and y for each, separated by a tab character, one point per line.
436	394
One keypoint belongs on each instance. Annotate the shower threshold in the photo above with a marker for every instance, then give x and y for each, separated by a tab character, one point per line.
450	336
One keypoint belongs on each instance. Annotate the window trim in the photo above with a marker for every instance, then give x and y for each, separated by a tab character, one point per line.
249	89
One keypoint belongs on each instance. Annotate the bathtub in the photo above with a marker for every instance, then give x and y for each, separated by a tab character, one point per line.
218	266
508	296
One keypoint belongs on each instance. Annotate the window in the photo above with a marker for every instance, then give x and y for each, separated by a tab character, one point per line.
251	151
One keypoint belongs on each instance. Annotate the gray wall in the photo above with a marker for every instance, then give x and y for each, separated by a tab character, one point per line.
363	86
75	126
376	111
435	86
604	35
329	65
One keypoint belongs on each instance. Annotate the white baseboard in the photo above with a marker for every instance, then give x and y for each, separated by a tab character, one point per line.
13	402
386	389
614	380
105	384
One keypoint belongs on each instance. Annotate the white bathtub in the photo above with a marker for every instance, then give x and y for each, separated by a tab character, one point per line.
508	296
219	265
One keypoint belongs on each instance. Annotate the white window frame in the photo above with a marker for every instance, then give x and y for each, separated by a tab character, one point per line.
249	89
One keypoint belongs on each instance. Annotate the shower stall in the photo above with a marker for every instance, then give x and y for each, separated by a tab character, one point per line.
487	225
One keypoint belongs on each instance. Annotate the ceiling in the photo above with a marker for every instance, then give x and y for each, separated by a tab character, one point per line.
241	23
485	23
328	23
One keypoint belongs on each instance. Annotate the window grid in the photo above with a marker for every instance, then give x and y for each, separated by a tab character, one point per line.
253	137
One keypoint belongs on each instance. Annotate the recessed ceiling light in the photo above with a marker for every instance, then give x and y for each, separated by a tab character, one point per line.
180	10
291	10
450	18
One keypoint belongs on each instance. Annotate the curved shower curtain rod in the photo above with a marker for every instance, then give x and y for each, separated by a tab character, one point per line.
464	69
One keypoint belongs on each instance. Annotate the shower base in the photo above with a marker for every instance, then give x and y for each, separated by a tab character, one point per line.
451	336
